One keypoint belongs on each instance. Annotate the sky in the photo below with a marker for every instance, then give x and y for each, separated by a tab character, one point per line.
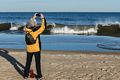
59	5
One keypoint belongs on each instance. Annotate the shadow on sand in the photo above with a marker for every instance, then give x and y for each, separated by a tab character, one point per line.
17	65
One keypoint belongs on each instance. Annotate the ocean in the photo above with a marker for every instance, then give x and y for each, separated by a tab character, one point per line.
70	31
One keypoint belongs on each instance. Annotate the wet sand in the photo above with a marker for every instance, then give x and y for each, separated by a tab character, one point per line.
63	65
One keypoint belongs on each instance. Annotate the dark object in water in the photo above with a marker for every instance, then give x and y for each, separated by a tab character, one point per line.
5	26
109	30
21	28
110	46
48	29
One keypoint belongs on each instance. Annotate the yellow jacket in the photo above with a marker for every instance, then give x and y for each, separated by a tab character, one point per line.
37	46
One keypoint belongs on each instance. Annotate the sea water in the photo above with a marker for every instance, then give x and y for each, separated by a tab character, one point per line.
60	42
72	36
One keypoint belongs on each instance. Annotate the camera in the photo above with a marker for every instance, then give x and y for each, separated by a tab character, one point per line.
38	15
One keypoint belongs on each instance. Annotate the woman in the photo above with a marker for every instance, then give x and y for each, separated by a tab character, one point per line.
34	32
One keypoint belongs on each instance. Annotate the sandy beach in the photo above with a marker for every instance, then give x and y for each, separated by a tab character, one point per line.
63	65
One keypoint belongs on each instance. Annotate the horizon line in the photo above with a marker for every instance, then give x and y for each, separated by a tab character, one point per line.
66	11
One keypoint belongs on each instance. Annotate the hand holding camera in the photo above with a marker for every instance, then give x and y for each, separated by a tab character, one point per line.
38	15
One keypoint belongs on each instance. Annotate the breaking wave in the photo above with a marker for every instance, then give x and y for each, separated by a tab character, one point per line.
68	30
54	28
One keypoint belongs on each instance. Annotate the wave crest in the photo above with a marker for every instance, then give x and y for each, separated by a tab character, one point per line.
67	30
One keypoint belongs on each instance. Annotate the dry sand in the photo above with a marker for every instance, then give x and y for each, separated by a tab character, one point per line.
63	65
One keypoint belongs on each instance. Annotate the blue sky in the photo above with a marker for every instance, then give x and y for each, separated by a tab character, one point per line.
60	5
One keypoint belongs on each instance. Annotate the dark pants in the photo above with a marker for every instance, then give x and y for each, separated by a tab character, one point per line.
28	64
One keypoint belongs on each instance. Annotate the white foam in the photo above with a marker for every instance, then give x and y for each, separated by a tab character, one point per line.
67	30
14	27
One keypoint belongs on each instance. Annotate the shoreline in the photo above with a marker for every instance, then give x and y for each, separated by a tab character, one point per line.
70	52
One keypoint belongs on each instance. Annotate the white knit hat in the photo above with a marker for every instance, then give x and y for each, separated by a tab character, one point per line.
31	23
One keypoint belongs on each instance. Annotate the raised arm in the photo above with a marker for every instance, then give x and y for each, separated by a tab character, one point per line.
42	28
